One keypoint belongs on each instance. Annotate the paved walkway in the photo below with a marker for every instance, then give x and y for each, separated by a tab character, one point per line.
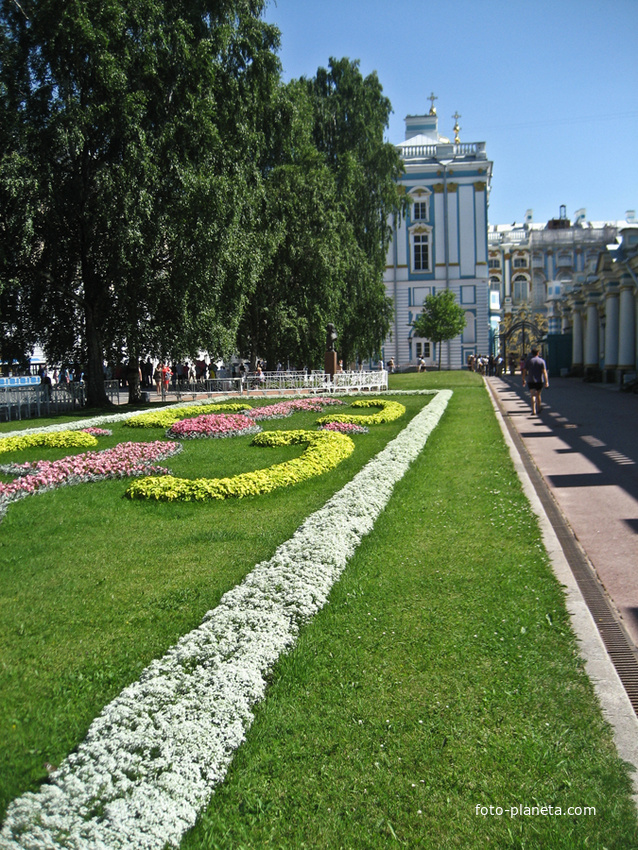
585	445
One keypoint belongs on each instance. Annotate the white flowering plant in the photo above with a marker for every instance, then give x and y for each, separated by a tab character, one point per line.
155	754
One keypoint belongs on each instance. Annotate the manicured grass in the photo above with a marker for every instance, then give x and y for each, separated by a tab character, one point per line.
93	586
442	676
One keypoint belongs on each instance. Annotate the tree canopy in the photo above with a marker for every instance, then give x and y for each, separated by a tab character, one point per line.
162	191
442	318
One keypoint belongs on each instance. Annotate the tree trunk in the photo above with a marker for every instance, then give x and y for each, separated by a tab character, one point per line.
133	379
95	393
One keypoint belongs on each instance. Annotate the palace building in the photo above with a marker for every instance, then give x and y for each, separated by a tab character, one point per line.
442	243
581	278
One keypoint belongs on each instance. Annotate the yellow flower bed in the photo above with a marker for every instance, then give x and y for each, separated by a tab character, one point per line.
325	450
55	439
389	411
169	416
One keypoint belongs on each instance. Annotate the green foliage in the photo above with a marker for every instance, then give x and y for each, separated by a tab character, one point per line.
330	190
162	191
138	124
442	318
351	117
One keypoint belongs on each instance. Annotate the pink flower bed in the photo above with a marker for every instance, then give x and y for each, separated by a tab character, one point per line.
212	425
98	432
287	408
126	459
344	428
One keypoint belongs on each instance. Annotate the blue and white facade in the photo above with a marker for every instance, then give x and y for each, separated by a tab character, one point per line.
441	244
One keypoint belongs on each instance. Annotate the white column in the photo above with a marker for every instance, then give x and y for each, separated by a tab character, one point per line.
591	340
611	325
507	274
627	334
577	336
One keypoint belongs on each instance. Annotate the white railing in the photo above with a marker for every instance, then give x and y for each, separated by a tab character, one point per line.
376	381
497	238
460	149
316	381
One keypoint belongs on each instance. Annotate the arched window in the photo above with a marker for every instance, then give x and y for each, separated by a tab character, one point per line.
469	332
539	291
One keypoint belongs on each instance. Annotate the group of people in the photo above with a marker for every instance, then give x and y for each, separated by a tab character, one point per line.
533	372
492	366
61	377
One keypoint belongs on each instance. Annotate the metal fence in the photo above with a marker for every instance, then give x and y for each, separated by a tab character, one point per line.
28	402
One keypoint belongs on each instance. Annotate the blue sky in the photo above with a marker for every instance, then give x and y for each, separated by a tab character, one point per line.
551	86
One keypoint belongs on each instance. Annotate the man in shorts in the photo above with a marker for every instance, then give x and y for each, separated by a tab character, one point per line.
535	372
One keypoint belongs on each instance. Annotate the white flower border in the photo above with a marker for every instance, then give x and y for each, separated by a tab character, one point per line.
151	760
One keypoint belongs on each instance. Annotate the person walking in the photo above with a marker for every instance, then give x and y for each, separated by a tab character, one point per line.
535	372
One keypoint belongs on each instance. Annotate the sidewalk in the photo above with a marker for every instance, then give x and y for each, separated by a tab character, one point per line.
584	444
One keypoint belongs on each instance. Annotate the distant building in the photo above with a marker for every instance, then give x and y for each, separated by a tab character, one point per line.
442	244
558	269
600	311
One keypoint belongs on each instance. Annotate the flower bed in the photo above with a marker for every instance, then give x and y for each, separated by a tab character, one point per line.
54	439
126	459
324	451
212	425
151	760
344	428
167	416
98	432
389	411
286	408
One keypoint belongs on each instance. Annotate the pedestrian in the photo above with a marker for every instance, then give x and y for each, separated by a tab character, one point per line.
166	377
157	377
535	372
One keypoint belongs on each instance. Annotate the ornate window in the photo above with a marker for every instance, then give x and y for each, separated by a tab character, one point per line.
521	288
420	248
420	204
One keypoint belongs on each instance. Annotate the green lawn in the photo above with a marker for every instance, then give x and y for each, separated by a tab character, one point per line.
442	676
